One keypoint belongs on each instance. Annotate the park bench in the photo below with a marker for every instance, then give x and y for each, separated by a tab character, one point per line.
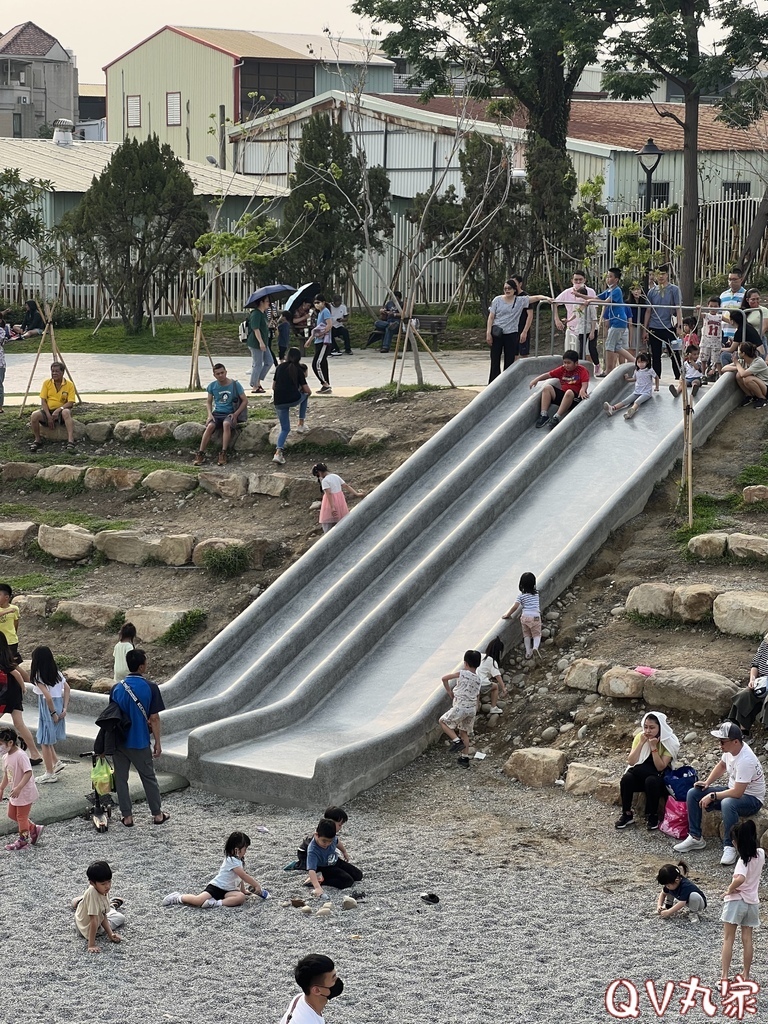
425	323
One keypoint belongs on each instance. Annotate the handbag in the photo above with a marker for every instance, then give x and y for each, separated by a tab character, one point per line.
496	331
675	821
102	777
679	780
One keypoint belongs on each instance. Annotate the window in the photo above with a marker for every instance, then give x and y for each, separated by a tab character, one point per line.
736	189
172	108
134	111
659	192
281	83
17	126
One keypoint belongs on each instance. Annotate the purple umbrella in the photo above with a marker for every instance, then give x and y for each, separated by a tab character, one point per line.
267	291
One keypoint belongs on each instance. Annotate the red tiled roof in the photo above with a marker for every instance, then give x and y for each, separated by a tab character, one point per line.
26	40
627	125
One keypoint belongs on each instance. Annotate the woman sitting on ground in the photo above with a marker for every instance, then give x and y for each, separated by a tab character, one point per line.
748	702
653	750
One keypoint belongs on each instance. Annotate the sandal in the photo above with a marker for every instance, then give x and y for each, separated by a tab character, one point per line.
35	446
128	824
71	446
116	903
163	818
199	459
222	461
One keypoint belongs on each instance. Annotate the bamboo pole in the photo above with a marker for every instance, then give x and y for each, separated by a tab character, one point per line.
437	361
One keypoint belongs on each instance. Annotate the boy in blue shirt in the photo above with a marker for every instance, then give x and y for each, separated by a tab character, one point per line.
227	405
617	339
323	859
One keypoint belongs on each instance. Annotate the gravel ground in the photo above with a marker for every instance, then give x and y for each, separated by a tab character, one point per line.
542	904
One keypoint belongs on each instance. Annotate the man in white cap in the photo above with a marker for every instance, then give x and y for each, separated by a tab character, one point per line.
742	798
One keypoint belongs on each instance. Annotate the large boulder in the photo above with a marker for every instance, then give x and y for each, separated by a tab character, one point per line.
609	792
175	548
367	437
61	474
747	545
584	674
37	605
189	432
325	435
98	479
536	767
16	535
216	544
693	603
293	437
254	435
89	613
755	493
741	612
273	484
158	431
99	432
224	485
621	682
151	623
70	543
128	430
584	779
651	599
59	432
687	689
708	545
303	488
132	547
169	481
19	471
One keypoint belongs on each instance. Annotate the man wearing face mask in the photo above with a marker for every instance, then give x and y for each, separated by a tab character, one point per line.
316	977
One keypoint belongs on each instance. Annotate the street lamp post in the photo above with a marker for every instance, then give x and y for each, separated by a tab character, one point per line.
649	157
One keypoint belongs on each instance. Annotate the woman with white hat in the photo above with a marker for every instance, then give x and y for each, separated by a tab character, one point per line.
653	750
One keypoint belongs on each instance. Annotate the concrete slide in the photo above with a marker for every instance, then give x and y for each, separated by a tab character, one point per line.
330	680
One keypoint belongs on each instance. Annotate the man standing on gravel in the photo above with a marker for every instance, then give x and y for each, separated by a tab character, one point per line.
743	797
316	977
142	703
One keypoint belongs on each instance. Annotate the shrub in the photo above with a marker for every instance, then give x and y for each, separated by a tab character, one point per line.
182	631
227	562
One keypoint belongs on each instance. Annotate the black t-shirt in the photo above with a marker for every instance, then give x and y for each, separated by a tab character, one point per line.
289	380
10	694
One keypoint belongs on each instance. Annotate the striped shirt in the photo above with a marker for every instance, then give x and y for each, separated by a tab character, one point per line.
529	603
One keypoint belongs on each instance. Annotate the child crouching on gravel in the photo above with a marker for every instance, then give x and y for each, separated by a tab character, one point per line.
679	892
646	382
94	911
464	695
228	887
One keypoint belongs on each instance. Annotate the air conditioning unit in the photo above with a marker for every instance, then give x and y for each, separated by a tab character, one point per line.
22	78
22	99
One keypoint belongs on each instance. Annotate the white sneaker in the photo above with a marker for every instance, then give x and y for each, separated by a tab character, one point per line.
690	844
208	904
46	777
730	855
303	429
495	711
694	918
279	458
172	899
608	408
59	767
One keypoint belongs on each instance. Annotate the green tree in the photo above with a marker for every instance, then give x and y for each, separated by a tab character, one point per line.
137	223
23	226
534	50
329	200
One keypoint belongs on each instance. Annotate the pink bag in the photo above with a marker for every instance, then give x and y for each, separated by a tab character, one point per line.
675	821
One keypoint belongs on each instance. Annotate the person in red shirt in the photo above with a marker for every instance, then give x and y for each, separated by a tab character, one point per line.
568	388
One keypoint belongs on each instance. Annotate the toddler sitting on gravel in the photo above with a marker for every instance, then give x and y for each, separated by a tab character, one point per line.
94	911
323	860
462	715
339	817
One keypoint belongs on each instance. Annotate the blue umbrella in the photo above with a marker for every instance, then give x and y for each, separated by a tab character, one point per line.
266	291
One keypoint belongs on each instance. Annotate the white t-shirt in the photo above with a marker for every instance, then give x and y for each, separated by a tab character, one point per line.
331	482
692	370
57	690
644	380
300	1013
337	314
713	328
745	767
488	670
121	669
226	878
466	689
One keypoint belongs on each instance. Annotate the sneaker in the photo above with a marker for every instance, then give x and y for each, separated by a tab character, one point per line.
463	761
693	918
630	412
691	843
46	777
599	372
348	353
730	855
303	429
334	354
673	391
208	905
35	832
746	400
59	767
554	421
627	818
608	408
759	403
173	899
264	894
541	421
695	387
35	761
652	823
279	458
326	389
456	744
18	844
495	711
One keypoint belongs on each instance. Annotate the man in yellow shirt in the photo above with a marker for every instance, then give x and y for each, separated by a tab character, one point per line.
57	396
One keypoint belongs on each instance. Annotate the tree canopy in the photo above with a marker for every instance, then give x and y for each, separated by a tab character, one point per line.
138	222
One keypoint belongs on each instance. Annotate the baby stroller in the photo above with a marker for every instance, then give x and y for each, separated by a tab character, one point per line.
100	802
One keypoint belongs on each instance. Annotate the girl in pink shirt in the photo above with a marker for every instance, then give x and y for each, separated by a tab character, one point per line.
741	904
17	773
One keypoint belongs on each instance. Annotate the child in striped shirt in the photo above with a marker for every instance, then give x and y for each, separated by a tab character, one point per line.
530	614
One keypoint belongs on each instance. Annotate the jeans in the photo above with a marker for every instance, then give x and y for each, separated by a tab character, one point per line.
284	416
731	809
2	389
261	362
389	327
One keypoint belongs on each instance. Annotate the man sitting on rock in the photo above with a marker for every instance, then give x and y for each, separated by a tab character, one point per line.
227	405
743	797
57	397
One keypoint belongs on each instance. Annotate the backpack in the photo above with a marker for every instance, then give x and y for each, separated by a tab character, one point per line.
243	331
679	780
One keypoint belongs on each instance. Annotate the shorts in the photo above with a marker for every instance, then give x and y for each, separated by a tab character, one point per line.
692	380
710	351
215	891
486	688
531	625
12	699
524	347
725	357
459	719
559	396
739	912
616	339
219	417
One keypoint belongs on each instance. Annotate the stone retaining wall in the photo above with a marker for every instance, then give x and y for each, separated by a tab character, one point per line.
741	546
738	612
151	623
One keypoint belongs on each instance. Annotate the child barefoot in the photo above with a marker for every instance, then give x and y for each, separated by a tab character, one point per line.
94	911
741	904
679	889
52	691
646	381
228	887
17	774
530	614
462	714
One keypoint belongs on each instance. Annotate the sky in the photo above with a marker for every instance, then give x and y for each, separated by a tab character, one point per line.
99	32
